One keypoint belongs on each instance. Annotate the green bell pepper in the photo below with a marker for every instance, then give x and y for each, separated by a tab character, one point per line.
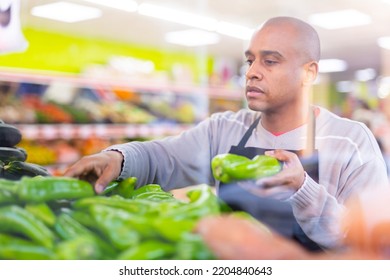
123	188
192	247
43	212
122	228
203	202
68	228
15	248
8	191
42	189
113	201
79	248
15	219
149	250
146	189
231	167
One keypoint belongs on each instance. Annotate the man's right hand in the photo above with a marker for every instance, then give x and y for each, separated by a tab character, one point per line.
98	169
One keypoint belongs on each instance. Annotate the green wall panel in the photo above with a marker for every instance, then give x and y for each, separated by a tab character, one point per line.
67	53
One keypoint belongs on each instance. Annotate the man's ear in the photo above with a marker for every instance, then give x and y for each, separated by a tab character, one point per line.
311	71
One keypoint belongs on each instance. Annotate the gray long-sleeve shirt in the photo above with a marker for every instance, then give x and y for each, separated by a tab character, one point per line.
349	161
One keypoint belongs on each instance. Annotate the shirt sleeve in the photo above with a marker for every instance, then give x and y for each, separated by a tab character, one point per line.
320	213
173	162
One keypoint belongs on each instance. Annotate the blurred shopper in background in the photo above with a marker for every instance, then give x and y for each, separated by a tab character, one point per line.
326	159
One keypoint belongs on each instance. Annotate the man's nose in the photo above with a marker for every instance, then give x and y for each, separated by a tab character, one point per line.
254	72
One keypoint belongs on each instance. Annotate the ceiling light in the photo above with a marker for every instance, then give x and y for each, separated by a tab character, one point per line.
364	75
234	30
66	12
332	65
384	87
124	5
384	42
339	19
177	16
192	37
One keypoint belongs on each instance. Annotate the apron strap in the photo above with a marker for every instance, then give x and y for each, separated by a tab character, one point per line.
276	214
248	133
311	134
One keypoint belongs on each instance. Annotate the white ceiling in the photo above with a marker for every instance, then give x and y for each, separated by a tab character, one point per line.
355	45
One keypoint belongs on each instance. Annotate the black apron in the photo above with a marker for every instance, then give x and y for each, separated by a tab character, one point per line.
275	213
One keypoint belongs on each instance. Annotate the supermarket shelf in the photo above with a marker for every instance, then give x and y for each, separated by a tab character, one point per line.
129	83
108	131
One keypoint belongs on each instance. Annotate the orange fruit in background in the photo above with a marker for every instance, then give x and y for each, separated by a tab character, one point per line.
367	222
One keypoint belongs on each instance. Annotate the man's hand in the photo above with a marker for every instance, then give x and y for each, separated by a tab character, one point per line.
292	175
98	169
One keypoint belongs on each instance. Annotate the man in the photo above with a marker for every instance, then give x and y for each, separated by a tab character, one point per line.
282	58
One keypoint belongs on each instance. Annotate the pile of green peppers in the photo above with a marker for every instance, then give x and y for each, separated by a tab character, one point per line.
231	167
45	218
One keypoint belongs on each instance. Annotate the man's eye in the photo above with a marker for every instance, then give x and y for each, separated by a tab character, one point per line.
270	62
248	62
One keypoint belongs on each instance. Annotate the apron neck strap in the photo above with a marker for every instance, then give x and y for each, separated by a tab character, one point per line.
248	133
311	134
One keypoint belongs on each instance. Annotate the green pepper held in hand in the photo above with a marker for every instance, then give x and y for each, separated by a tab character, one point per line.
111	188
122	188
42	189
126	187
230	167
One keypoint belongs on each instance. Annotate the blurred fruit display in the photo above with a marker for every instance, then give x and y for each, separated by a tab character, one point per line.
39	153
65	117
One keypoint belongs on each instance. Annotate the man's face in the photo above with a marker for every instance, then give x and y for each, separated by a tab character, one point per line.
274	78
